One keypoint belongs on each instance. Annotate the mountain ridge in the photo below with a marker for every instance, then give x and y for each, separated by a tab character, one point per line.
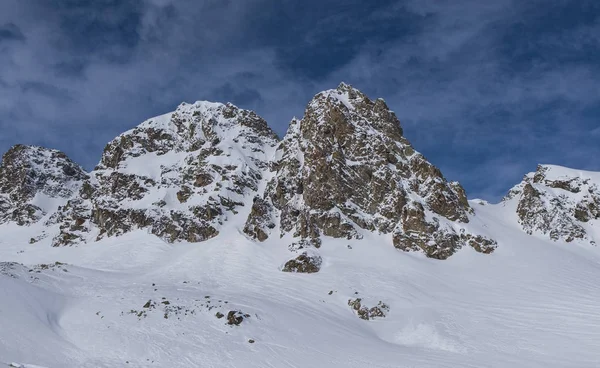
343	169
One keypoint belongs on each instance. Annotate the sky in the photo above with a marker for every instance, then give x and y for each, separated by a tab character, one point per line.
486	90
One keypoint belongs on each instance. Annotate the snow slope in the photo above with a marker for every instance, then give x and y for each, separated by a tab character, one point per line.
532	303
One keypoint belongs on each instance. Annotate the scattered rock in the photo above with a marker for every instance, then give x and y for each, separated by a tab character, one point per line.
10	269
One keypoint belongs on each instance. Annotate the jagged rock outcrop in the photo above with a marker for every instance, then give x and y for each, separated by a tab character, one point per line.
180	175
33	181
346	167
558	202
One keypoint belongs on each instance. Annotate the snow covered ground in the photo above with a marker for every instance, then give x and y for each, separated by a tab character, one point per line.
532	303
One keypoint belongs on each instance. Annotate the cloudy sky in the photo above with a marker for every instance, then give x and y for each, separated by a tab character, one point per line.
484	89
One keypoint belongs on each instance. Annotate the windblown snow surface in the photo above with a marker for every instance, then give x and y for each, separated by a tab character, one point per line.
532	303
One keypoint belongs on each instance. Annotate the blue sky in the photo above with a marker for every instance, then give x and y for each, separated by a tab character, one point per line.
484	89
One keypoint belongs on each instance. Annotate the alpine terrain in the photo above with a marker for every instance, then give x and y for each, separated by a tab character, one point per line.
202	239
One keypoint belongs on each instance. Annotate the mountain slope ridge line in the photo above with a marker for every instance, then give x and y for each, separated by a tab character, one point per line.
342	170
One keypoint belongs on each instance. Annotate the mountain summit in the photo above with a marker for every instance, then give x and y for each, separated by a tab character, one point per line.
180	175
346	168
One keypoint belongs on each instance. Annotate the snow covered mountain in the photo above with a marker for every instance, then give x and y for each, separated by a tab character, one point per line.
561	203
180	175
345	168
170	252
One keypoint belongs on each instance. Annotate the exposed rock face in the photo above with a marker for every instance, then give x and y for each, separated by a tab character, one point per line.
345	167
180	175
33	180
558	202
260	217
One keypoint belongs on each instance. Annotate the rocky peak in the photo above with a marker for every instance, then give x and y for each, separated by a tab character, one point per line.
558	202
346	167
348	107
32	180
180	175
187	129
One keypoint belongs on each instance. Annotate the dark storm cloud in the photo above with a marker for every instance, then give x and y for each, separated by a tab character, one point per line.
312	39
243	96
475	108
10	32
485	89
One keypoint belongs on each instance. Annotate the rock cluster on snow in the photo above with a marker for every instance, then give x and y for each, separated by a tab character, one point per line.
236	317
367	313
8	268
304	263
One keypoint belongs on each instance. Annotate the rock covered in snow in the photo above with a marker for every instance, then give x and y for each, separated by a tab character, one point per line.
346	167
307	262
33	180
181	175
558	202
